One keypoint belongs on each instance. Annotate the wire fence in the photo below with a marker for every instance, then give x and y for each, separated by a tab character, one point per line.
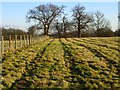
11	42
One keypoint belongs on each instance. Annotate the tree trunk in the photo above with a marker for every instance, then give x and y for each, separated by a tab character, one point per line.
79	30
59	33
46	29
64	29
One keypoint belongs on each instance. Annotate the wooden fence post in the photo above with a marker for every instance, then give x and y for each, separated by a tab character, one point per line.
24	40
20	40
27	40
9	42
2	44
15	41
37	38
30	37
33	39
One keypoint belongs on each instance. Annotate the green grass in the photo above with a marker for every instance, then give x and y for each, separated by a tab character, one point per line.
19	43
84	63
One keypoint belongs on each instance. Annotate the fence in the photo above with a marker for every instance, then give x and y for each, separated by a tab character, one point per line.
12	42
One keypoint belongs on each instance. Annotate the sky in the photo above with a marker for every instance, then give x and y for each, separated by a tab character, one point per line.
13	14
119	14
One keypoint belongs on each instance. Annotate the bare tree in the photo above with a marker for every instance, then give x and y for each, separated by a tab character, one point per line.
82	19
45	14
62	25
32	30
65	24
59	28
100	21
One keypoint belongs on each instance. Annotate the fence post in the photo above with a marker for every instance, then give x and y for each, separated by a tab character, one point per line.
30	39
20	40
2	44
15	41
9	42
37	38
33	39
24	41
27	40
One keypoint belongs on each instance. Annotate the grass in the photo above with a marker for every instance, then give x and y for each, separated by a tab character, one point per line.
19	43
84	63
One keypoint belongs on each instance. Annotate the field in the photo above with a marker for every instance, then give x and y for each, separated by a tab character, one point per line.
84	63
15	42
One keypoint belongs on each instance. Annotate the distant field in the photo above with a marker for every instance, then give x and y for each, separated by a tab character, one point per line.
84	63
17	43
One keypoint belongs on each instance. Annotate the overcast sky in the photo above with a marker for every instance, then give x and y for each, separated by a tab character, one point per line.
14	13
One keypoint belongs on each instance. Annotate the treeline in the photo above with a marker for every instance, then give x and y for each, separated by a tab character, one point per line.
100	33
85	33
12	31
6	32
51	17
53	21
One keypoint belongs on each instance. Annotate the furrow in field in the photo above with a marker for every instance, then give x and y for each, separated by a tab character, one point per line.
109	55
24	82
62	63
107	74
84	66
110	60
100	43
70	64
49	69
14	63
114	40
108	52
108	40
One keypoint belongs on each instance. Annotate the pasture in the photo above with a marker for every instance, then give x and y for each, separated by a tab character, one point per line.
84	63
